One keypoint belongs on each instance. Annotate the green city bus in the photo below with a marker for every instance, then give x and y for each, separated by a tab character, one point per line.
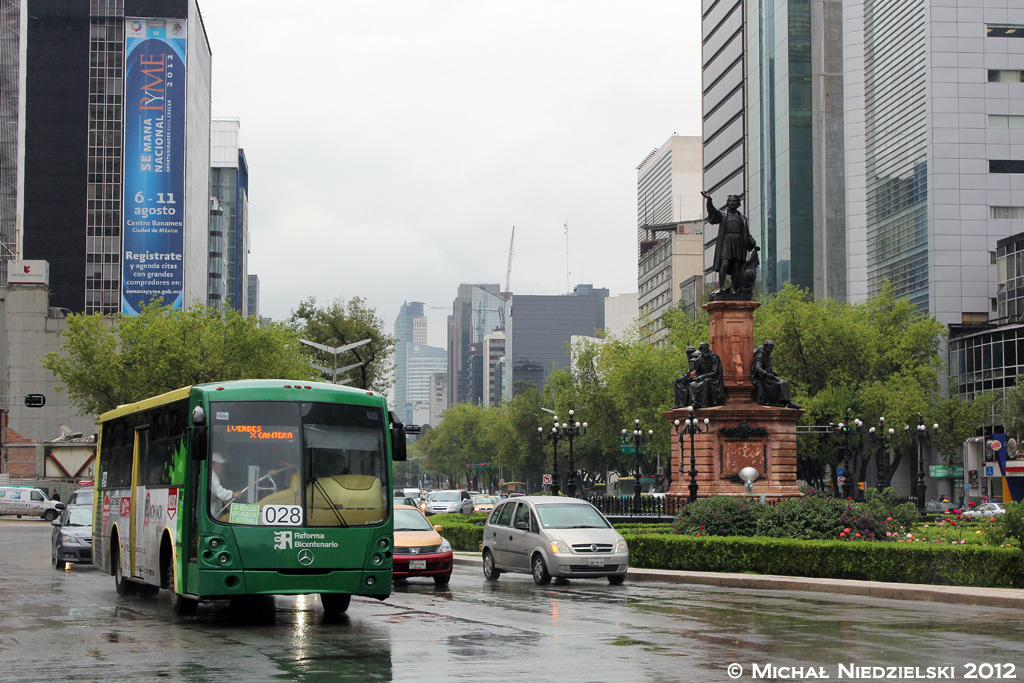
249	487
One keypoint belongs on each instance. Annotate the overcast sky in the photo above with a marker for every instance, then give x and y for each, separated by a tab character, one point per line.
393	145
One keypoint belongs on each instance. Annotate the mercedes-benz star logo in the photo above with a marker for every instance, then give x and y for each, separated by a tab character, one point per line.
305	557
593	548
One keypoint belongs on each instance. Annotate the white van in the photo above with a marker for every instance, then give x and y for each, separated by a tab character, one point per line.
25	500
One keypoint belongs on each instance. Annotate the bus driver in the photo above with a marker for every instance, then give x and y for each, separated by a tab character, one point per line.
226	495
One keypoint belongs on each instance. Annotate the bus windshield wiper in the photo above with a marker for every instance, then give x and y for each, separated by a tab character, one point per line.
315	481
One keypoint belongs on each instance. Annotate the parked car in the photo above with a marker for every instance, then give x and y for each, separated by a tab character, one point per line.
81	496
419	548
28	501
71	540
484	503
450	500
550	536
939	507
986	510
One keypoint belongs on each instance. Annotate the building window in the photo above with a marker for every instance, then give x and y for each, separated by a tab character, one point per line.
1004	31
1005	76
1006	213
1005	121
1005	166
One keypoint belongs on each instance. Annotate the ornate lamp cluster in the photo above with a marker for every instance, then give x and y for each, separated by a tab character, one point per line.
919	435
692	427
638	437
882	459
843	429
566	431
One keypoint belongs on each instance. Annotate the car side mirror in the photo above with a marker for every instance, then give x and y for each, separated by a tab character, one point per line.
523	526
55	522
438	528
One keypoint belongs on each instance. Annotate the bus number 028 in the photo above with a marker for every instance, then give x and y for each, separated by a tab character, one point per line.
281	515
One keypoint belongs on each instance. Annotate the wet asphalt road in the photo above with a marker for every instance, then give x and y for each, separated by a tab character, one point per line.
70	625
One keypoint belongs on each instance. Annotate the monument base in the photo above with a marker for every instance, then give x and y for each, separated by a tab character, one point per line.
742	433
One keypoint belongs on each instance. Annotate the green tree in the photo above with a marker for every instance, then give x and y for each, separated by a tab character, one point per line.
346	322
106	362
878	358
464	437
1011	409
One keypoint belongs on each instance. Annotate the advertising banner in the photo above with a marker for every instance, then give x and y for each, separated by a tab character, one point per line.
153	241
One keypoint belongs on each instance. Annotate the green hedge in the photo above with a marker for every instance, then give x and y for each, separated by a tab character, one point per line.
965	565
464	532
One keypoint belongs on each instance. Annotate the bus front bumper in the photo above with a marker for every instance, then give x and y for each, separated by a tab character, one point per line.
227	584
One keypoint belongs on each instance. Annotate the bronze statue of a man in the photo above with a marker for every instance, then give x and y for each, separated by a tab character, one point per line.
733	243
771	390
682	384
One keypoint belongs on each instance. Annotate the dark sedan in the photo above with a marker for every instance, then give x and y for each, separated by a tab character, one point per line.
71	540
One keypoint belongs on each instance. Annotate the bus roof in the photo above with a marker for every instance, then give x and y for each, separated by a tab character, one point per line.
278	389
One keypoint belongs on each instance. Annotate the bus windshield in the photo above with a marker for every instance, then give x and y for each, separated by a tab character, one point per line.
297	464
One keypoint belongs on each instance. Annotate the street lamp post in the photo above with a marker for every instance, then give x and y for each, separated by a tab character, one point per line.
570	431
882	459
844	429
555	435
692	427
639	437
920	434
335	351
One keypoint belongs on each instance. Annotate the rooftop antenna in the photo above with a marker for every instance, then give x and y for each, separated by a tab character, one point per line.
566	226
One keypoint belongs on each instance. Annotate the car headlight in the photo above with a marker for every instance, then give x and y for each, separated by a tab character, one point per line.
70	540
558	547
620	546
446	547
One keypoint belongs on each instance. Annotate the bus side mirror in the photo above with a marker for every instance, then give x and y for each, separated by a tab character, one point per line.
198	442
398	443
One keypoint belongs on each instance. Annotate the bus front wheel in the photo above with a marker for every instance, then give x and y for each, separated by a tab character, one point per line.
335	603
181	606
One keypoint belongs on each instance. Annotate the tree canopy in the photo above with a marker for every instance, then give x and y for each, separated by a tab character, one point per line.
106	362
340	323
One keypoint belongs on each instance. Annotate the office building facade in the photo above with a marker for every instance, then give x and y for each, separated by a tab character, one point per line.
229	183
538	328
83	144
670	230
415	362
477	311
935	149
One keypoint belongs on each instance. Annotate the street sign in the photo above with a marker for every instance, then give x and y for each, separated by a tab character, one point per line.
626	447
547	479
35	401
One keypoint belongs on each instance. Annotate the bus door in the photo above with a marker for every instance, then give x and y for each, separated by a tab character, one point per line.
137	519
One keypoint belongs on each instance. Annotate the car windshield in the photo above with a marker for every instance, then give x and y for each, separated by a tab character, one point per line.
79	517
325	460
485	499
570	517
411	520
446	496
81	496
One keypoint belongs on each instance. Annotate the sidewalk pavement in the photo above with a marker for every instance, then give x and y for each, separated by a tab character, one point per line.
955	595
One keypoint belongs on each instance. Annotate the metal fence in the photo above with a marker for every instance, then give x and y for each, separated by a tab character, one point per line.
646	506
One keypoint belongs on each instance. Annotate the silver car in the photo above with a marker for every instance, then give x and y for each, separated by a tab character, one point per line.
450	500
550	536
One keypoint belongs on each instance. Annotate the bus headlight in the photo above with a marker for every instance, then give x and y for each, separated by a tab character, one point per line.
383	543
224	558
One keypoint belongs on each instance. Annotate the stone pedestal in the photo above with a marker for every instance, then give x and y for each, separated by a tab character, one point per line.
742	433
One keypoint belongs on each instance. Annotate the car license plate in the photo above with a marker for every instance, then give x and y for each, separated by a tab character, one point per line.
422	564
595	562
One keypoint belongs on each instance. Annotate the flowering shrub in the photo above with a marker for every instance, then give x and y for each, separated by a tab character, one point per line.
719	516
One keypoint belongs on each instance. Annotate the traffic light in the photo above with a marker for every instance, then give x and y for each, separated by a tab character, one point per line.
860	485
35	401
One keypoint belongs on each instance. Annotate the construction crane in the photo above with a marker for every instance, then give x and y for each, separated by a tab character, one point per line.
507	294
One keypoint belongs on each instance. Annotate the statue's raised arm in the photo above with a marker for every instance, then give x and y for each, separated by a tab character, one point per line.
734	240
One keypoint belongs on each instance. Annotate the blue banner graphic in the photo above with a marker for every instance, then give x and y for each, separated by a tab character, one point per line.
153	235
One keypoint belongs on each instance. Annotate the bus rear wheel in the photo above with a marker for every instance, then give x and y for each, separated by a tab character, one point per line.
124	586
335	603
